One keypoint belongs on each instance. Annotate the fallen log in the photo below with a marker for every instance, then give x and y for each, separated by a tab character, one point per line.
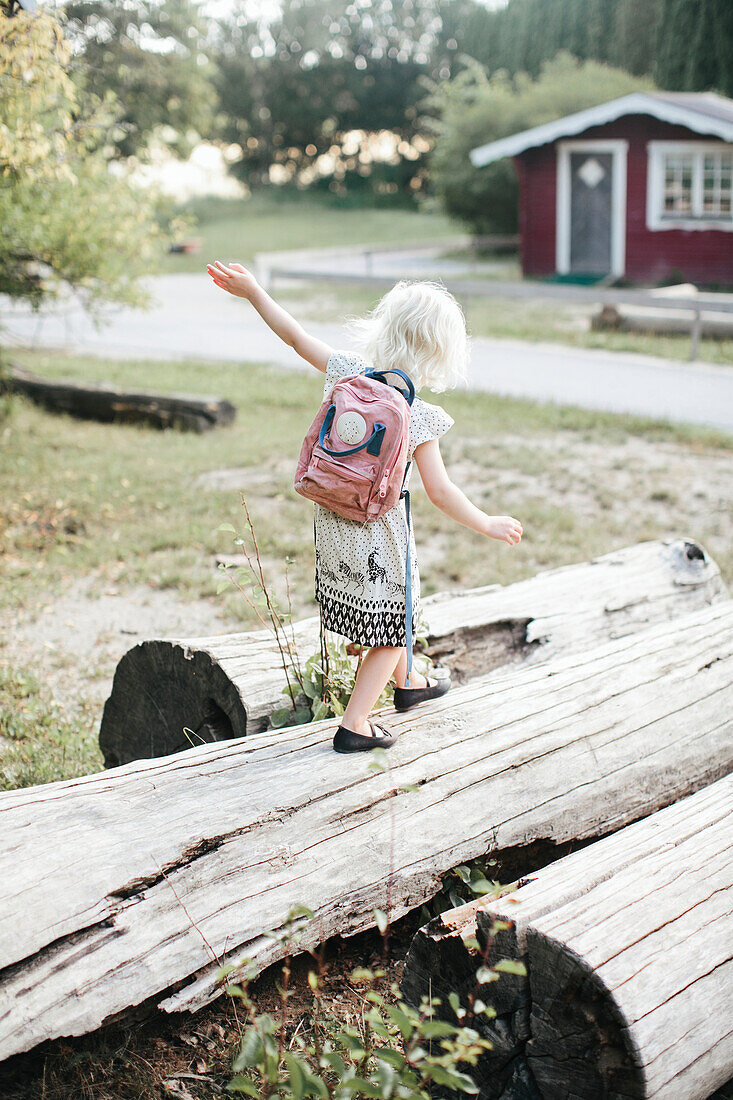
109	403
134	884
227	686
627	948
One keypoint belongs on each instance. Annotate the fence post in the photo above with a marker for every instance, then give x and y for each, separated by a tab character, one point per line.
695	333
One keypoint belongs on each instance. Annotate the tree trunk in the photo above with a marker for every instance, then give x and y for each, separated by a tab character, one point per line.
108	403
627	947
135	884
169	694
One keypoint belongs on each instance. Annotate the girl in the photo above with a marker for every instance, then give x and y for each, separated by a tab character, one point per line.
360	568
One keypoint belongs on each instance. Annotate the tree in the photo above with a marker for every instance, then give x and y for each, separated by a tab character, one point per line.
65	218
293	90
676	33
150	54
475	108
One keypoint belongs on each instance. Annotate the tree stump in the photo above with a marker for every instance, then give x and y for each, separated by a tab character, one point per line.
170	693
133	885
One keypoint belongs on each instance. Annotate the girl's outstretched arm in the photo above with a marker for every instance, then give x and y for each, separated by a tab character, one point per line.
453	501
239	281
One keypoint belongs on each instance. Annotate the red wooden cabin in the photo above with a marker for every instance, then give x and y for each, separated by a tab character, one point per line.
640	188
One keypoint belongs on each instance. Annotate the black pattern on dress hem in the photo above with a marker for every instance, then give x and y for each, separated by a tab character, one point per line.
364	627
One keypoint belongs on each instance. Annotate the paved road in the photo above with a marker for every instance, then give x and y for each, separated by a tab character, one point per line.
193	319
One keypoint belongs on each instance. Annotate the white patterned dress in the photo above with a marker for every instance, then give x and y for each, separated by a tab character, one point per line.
360	567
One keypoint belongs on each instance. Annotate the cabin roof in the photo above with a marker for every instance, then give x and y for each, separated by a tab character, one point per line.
702	112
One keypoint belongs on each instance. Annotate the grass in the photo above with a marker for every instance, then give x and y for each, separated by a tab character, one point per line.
122	505
237	229
39	740
533	319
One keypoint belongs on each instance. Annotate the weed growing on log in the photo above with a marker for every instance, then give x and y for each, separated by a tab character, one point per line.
321	687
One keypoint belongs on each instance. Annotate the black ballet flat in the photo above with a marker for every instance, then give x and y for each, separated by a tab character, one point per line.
347	741
405	698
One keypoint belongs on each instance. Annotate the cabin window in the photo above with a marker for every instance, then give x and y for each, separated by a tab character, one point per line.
690	185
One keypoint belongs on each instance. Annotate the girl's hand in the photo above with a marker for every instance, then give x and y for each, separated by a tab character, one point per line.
504	528
235	278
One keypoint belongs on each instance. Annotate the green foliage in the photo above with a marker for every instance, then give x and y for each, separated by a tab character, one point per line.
396	1051
41	740
150	55
321	688
475	108
294	89
695	46
65	217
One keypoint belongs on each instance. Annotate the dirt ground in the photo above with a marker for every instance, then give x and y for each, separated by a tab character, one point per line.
647	488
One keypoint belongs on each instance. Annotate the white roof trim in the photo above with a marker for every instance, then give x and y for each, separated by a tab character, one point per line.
638	103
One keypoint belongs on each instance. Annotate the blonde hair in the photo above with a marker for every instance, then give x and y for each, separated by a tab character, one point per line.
418	327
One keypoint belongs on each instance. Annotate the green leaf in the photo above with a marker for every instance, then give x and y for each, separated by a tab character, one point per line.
227	527
463	873
280	718
485	975
388	1054
352	1042
363	1087
511	966
251	1052
320	711
297	1076
310	689
455	1004
300	910
403	1022
243	1084
437	1029
460	1081
222	586
361	974
335	1061
482	886
316	1086
300	716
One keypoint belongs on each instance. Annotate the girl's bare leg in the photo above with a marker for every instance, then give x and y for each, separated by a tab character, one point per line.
374	672
417	680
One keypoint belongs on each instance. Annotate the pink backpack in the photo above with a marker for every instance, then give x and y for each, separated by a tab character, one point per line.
354	457
365	478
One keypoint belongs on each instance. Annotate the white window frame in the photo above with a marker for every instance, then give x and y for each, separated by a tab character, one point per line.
619	150
657	150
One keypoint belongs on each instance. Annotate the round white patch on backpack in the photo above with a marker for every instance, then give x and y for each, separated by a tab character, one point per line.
351	428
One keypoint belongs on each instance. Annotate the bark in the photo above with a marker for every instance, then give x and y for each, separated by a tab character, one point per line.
108	403
136	883
168	694
627	948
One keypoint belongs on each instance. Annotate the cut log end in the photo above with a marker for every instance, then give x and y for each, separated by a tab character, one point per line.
579	1044
166	698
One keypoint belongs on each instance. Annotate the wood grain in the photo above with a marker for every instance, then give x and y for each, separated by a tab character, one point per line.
227	686
628	948
135	883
